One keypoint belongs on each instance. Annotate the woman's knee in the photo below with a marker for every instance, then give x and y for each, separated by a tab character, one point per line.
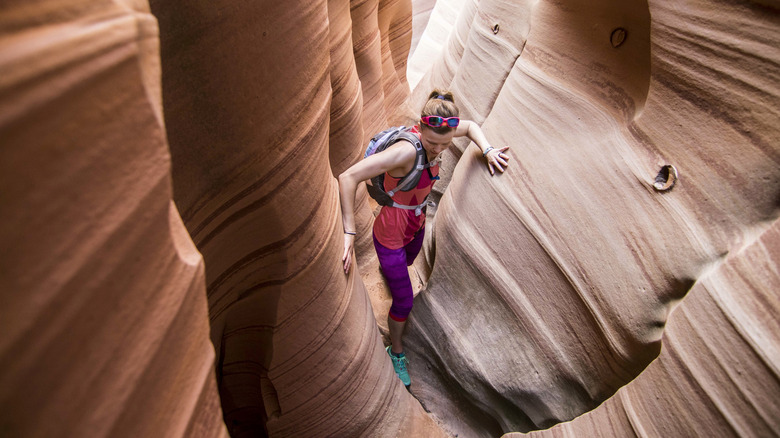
399	311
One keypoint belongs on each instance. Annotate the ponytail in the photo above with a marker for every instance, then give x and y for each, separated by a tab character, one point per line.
443	95
440	103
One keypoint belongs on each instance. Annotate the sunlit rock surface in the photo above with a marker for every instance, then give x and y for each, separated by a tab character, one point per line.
433	21
104	318
421	14
549	287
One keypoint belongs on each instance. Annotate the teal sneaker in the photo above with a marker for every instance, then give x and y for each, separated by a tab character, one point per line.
399	365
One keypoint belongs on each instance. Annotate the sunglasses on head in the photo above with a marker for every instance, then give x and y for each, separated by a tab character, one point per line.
436	121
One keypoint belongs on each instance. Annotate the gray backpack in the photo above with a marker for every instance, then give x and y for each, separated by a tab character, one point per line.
376	189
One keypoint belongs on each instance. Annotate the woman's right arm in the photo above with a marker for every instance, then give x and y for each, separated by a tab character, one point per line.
398	159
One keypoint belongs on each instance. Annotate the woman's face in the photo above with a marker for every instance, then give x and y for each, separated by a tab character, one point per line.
435	143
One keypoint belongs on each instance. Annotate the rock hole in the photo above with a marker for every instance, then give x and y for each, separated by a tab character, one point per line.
618	37
666	178
495	28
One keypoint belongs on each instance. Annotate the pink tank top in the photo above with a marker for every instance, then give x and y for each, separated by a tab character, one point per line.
394	228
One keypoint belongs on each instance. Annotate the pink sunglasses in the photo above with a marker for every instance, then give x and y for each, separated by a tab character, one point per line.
436	121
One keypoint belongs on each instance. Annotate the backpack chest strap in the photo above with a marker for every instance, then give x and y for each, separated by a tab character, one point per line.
417	208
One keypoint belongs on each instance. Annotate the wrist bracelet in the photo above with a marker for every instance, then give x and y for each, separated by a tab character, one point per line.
351	234
490	148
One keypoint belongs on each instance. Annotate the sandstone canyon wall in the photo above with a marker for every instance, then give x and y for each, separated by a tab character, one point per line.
433	21
107	302
103	315
549	287
717	372
264	104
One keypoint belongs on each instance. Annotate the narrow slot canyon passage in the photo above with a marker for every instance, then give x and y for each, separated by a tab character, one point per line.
173	228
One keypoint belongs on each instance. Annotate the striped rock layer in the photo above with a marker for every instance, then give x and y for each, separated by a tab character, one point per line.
549	288
557	283
104	317
264	103
242	114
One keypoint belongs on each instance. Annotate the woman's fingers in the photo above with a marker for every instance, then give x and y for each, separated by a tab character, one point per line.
347	260
347	257
500	160
497	164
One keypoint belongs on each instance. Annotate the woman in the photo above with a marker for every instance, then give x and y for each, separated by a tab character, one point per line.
398	233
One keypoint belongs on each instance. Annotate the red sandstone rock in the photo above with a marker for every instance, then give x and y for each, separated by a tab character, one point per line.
346	120
548	287
104	318
250	95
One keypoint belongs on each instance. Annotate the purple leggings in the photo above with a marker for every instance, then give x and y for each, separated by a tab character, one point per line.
394	263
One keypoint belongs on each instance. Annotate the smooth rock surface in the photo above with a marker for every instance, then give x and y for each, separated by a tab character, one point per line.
421	14
263	108
103	315
717	373
549	287
432	25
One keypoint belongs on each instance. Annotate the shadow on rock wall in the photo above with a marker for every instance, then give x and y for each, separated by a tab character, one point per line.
104	309
104	318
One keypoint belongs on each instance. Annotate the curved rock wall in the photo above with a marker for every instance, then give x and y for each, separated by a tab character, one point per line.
548	287
104	317
381	35
432	24
263	106
421	14
717	373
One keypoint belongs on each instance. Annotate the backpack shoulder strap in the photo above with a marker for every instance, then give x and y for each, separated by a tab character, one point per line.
411	179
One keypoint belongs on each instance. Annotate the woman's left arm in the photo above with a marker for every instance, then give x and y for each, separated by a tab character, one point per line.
496	158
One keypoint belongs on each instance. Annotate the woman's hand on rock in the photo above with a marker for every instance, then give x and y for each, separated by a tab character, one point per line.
497	160
349	243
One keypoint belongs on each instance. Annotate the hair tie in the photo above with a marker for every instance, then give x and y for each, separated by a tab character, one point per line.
441	97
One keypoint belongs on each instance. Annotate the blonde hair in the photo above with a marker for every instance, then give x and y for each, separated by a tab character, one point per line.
440	103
